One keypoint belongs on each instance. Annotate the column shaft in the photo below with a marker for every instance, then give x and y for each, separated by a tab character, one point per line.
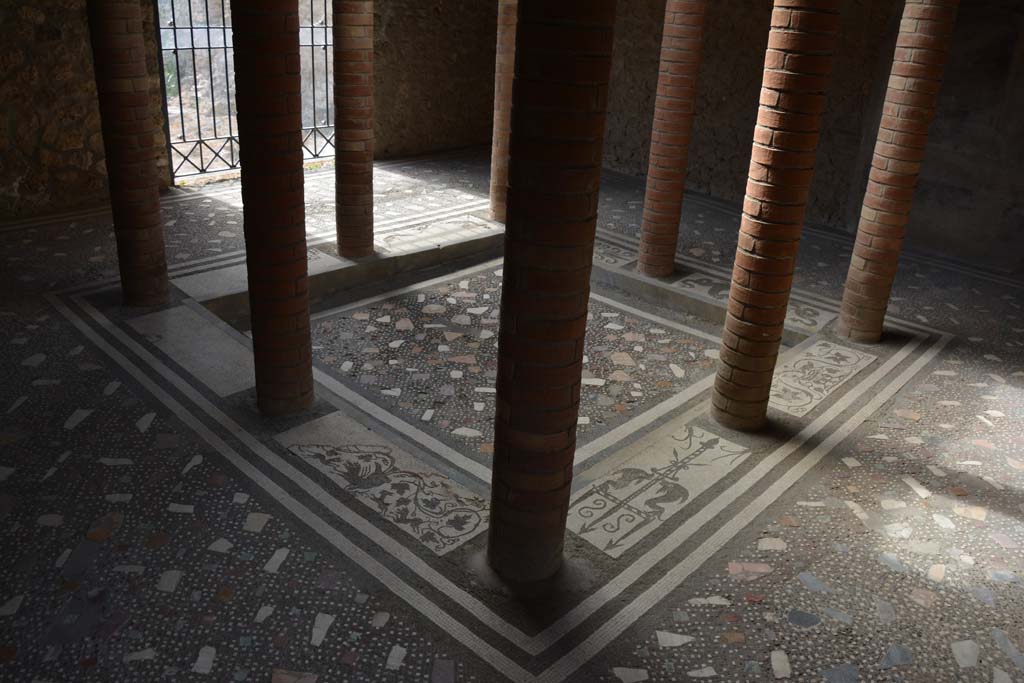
670	135
353	125
130	141
269	106
559	103
910	99
504	68
797	66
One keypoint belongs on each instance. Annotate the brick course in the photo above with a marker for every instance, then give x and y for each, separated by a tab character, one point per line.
674	107
353	125
559	101
797	66
504	68
914	81
129	142
269	106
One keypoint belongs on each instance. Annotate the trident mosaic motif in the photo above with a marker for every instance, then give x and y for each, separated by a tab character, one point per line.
626	505
424	504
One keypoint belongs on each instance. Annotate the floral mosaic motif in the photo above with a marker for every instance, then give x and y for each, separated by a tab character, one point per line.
427	505
709	287
806	381
463	227
800	315
612	255
625	506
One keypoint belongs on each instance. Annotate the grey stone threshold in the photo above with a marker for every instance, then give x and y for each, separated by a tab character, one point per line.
667	292
339	281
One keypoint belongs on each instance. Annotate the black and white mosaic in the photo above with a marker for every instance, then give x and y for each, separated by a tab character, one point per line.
430	357
134	551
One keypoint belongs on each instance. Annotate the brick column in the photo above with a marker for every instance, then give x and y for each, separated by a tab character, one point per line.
559	101
129	143
269	106
670	136
914	82
796	72
504	68
353	126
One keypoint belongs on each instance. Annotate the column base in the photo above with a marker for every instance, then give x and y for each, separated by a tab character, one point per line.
522	586
498	214
655	270
274	407
351	253
858	336
740	424
146	299
524	556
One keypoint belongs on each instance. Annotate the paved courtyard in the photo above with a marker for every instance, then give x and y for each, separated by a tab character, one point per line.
153	527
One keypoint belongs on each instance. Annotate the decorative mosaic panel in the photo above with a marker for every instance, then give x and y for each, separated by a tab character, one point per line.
612	255
623	507
399	488
804	382
425	504
799	315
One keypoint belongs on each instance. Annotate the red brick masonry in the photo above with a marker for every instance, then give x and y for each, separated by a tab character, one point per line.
504	67
670	137
797	66
130	145
559	102
267	81
910	99
353	125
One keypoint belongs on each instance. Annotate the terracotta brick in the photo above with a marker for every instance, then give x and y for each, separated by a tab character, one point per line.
914	82
797	66
129	142
266	39
553	177
353	126
504	68
674	107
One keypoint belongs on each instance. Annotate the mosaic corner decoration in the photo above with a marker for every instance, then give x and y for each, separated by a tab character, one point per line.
426	505
804	382
800	315
623	507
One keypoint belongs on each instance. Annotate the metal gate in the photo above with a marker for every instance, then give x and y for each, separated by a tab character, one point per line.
199	83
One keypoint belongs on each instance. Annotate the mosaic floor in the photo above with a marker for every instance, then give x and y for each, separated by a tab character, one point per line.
430	356
153	527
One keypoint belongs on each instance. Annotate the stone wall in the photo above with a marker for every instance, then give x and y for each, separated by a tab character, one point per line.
433	81
434	74
735	37
969	205
50	144
434	85
50	141
970	198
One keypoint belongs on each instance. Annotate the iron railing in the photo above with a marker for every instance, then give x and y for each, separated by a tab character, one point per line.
199	83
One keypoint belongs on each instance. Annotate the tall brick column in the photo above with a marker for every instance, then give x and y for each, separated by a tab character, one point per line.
559	101
796	72
914	82
269	106
353	125
504	68
130	146
670	137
